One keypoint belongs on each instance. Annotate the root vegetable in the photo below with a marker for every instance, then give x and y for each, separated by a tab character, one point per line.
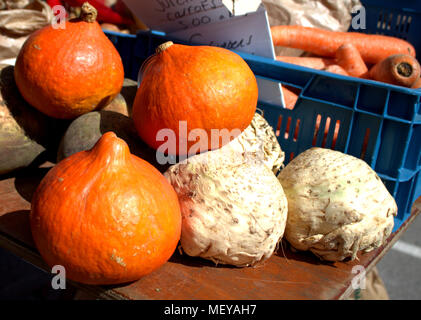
334	68
290	97
337	205
234	209
258	141
309	62
325	43
349	58
417	84
401	70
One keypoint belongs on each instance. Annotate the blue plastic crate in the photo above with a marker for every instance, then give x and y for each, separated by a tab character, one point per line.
379	123
400	19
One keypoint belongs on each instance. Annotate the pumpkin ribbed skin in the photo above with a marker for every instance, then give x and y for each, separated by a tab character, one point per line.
67	72
208	87
107	216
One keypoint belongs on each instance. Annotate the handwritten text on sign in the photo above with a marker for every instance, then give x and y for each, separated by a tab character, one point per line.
232	34
173	15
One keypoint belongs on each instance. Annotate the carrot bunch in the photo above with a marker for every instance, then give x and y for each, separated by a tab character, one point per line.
376	57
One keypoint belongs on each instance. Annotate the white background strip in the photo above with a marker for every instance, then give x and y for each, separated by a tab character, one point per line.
408	248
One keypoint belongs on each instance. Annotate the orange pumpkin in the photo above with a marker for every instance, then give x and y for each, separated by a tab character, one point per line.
67	72
205	87
106	215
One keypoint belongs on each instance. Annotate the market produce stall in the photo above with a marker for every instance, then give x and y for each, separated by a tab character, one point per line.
286	275
193	184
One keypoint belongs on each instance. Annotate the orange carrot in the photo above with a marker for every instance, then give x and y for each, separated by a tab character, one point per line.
349	58
417	84
373	48
334	68
318	63
400	69
290	97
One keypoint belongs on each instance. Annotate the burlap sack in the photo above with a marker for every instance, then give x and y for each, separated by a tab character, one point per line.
374	288
18	19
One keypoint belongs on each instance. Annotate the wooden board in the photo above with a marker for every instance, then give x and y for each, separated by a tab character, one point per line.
287	275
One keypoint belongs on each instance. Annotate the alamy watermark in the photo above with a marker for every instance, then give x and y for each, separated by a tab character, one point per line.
359	18
359	281
358	21
58	282
190	142
59	18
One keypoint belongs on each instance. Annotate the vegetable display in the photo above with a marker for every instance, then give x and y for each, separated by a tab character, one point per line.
106	215
67	72
111	212
337	205
400	69
215	90
234	209
325	43
417	84
374	57
349	58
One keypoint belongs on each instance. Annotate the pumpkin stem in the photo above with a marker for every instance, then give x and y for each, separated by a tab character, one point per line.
164	46
111	149
88	13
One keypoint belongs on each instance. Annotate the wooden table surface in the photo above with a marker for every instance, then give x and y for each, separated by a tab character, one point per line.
286	275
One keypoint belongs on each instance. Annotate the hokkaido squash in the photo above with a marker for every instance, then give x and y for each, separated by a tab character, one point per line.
106	215
199	87
68	72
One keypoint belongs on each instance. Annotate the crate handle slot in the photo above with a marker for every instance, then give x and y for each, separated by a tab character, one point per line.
365	143
327	126
336	134
316	129
384	21
288	127
408	24
398	22
278	126
402	26
297	129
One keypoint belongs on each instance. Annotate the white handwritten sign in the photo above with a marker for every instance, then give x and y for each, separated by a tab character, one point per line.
249	33
173	15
